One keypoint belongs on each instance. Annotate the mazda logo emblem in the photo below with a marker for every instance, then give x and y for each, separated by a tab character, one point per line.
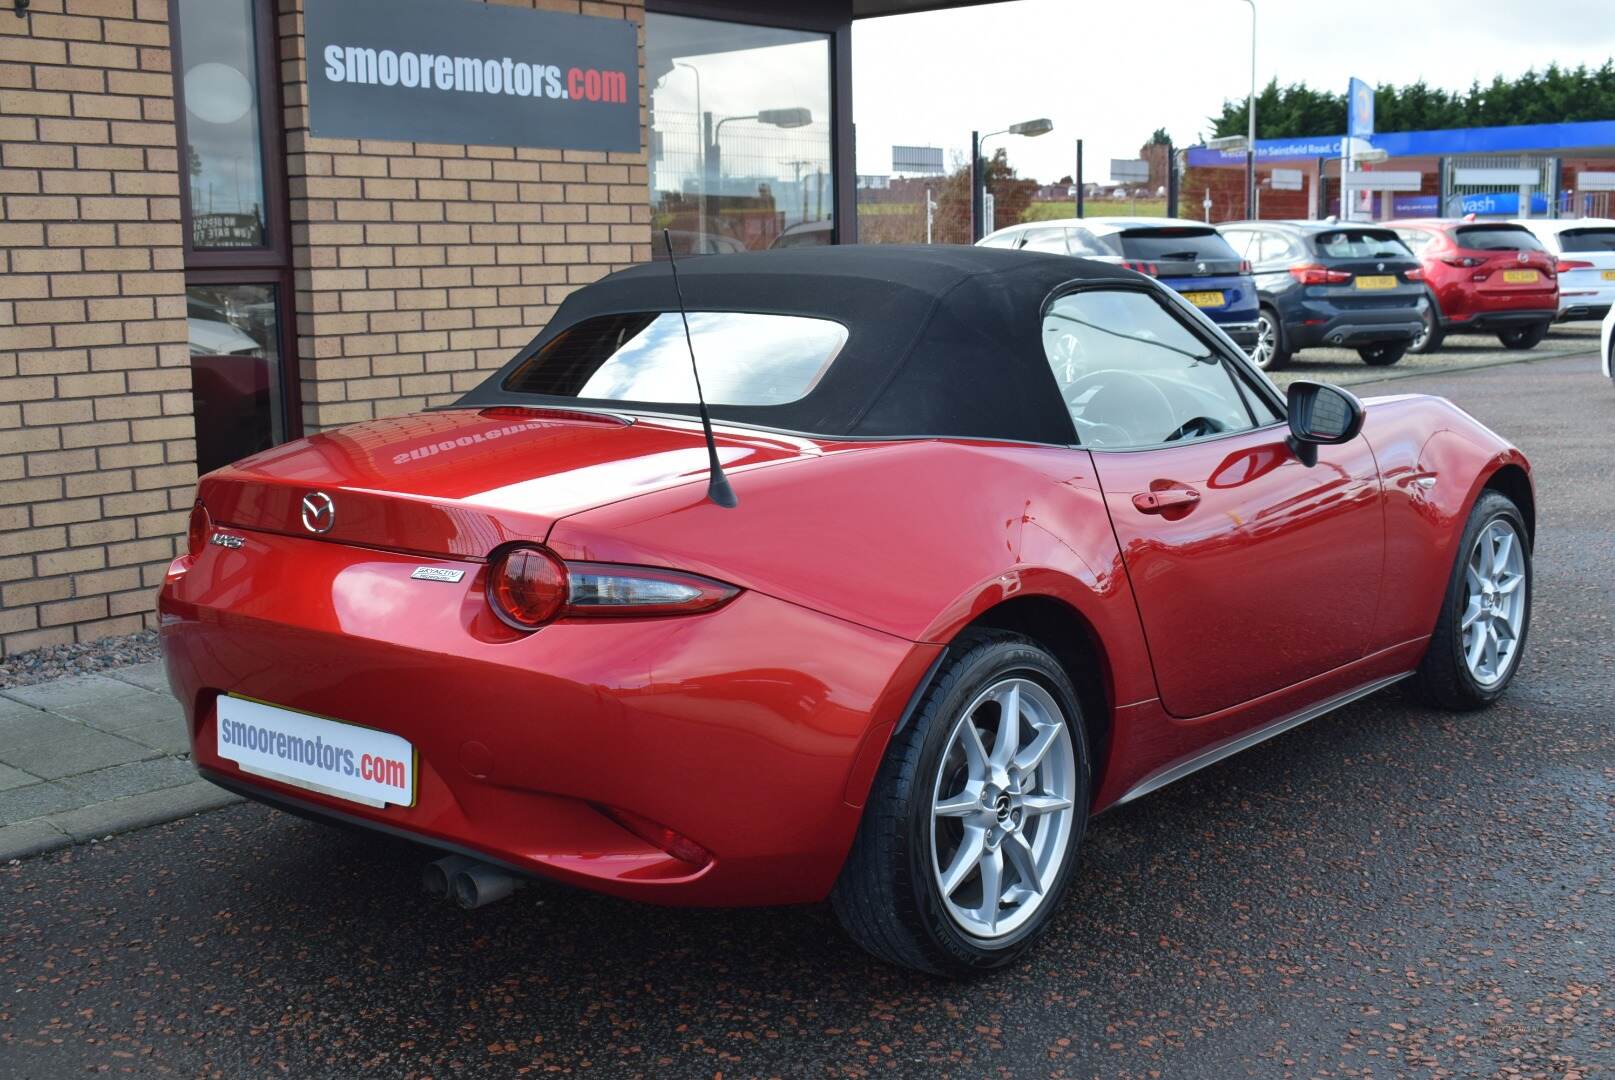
1521	256
319	512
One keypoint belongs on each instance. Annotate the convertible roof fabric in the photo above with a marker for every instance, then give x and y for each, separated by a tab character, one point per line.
942	341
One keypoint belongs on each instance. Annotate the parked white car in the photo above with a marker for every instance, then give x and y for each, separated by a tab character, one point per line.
1607	344
1585	251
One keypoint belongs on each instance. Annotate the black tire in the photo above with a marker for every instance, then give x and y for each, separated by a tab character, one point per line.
887	898
1443	679
1268	321
1383	354
1431	334
1523	337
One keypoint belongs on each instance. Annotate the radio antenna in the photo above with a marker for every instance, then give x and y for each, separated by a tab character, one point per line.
718	489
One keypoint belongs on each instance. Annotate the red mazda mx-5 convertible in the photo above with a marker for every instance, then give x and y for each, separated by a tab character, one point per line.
1016	537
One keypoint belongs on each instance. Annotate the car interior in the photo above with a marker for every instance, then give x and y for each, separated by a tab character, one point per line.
1133	375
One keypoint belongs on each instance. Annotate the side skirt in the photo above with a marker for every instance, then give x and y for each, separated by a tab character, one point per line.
1228	747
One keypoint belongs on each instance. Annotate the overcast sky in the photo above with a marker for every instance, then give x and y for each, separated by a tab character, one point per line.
1112	71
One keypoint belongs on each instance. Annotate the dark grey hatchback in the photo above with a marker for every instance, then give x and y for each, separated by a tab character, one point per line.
1330	283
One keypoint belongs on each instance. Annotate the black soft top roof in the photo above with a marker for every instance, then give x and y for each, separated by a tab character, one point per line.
942	341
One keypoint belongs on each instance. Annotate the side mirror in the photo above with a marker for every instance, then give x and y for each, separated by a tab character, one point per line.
1321	415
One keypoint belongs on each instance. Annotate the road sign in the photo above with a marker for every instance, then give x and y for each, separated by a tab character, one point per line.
1129	170
1497	177
917	160
1286	180
1386	180
1360	113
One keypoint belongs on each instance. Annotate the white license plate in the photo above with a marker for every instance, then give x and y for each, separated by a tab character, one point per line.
356	763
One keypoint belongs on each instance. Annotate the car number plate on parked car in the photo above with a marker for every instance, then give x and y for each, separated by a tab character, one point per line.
1520	277
1377	281
1205	299
351	762
1609	275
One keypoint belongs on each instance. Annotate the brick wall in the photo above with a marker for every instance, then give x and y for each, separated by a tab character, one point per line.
96	438
418	268
422	266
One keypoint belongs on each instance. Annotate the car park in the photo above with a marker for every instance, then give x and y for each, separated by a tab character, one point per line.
1012	538
1330	283
1190	257
1585	253
1482	277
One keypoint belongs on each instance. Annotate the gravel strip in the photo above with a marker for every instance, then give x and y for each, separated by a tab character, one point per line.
57	661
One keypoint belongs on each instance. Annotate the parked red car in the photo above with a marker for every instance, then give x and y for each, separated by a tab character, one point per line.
1483	277
1018	537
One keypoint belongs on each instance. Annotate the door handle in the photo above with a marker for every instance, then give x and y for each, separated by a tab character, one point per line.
1159	502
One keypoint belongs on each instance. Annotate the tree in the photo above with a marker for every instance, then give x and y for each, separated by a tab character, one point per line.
1160	138
1551	96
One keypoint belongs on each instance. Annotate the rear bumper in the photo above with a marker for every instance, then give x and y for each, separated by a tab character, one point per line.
1311	326
1580	312
753	730
1244	334
1486	321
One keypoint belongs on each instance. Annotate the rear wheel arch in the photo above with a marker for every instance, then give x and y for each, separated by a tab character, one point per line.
1511	480
1068	635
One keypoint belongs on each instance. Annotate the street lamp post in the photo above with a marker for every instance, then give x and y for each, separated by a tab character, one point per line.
701	196
978	168
1250	146
712	151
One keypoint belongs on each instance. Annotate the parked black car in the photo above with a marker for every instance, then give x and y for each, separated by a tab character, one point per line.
1330	283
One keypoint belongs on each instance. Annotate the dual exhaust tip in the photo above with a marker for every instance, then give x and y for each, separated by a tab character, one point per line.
468	882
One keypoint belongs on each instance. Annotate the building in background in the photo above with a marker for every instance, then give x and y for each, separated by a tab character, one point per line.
1535	170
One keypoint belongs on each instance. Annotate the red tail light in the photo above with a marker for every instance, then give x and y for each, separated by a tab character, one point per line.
1415	274
676	844
528	587
1244	266
1141	267
1571	264
1461	260
1313	274
198	530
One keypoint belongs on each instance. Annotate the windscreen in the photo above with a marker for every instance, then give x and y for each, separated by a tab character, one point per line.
745	358
1361	244
1496	238
1601	239
1169	245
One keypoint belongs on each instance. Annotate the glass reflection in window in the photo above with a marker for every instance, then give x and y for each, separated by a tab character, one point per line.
740	135
235	371
224	148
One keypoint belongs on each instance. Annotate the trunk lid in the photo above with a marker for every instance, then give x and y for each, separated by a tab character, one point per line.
459	483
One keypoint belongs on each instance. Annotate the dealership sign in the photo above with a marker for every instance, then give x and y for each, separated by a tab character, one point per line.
449	71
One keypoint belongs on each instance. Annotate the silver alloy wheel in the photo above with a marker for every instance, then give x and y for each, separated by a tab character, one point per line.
1267	341
1494	602
1001	819
1423	336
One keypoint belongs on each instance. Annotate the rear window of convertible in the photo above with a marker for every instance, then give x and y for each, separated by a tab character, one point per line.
746	358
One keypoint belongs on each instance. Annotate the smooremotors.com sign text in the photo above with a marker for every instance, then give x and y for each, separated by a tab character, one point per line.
453	71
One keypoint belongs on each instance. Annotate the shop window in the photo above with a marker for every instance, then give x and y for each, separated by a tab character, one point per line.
223	143
236	375
237	258
740	125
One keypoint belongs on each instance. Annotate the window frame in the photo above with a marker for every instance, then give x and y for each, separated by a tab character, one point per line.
1246	378
838	29
269	264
